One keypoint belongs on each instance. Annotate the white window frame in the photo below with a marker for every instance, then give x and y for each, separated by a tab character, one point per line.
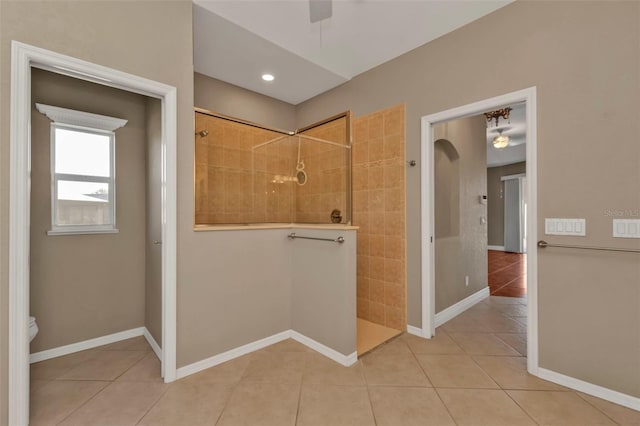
80	121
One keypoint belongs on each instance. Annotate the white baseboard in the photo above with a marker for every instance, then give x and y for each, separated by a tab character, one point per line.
415	331
152	342
198	366
591	389
497	248
455	310
336	356
86	344
190	369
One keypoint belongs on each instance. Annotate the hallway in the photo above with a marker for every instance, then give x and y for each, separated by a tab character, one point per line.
507	274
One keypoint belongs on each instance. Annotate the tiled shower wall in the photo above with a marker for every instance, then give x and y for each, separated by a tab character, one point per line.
327	171
225	167
379	210
239	179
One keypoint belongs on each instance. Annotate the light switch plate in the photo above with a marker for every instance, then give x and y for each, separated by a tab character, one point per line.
626	228
561	226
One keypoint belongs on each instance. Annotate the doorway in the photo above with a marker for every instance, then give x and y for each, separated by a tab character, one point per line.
528	96
24	58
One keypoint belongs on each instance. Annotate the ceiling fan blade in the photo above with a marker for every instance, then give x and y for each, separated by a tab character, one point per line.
319	10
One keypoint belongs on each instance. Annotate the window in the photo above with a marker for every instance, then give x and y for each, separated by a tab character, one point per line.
82	171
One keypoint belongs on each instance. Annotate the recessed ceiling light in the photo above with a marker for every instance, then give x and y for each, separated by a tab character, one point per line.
267	77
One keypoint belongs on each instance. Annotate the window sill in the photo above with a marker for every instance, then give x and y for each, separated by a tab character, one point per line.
82	232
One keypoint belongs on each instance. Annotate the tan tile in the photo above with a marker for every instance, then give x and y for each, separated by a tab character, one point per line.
394	199
288	345
148	369
394	271
376	312
51	403
35	384
511	373
376	245
512	310
394	223
482	344
455	371
395	317
372	335
121	403
189	404
376	268
394	176
555	408
408	406
394	295
440	344
376	223
394	247
391	345
376	125
334	405
376	291
56	367
500	300
362	287
619	414
362	266
362	308
393	369
499	323
320	370
376	177
515	340
104	365
261	404
464	323
227	372
376	201
276	367
393	146
483	407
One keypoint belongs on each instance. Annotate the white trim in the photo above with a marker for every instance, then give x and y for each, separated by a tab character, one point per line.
198	366
85	344
458	308
416	331
591	389
152	342
509	177
427	202
346	360
81	118
53	233
496	248
23	57
332	354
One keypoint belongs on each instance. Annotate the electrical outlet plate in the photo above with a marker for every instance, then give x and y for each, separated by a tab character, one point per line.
561	226
626	228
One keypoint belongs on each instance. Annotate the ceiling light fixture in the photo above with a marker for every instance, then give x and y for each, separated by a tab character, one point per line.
497	114
500	141
268	77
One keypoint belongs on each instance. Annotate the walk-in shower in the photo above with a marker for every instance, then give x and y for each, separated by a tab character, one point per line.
250	174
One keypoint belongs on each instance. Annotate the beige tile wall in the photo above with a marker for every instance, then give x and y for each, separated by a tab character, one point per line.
327	171
379	211
232	180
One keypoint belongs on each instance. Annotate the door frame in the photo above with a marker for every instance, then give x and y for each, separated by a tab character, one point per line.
23	58
521	212
528	96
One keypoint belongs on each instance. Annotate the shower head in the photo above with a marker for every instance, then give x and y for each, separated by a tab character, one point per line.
202	133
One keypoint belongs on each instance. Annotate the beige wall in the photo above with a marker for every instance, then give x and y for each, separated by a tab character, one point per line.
587	93
495	200
152	39
323	288
460	161
87	286
153	204
224	98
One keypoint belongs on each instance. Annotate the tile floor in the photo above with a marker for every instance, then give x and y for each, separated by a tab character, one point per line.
507	274
472	373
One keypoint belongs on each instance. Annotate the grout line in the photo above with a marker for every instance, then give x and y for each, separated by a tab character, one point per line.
299	400
445	405
521	407
154	403
595	406
84	403
226	401
373	412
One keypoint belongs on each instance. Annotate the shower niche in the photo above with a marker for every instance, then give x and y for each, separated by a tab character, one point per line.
250	174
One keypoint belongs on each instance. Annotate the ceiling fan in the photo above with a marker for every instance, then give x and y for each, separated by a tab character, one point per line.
320	10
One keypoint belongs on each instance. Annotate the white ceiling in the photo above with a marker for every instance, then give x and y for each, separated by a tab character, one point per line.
516	129
237	41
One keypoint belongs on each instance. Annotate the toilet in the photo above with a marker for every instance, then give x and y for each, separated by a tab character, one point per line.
33	328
